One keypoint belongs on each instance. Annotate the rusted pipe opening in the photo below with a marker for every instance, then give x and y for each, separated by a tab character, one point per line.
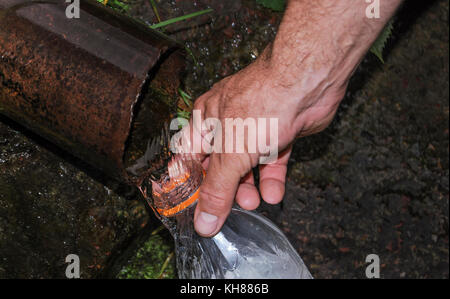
77	82
152	113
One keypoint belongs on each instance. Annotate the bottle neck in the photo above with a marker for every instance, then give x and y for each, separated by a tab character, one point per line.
181	206
181	225
177	192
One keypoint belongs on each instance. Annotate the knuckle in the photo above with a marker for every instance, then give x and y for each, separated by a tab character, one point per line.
238	163
199	104
213	203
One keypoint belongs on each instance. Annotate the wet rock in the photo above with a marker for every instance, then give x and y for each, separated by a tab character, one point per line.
50	208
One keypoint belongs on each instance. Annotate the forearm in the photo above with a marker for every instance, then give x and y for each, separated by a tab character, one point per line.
326	39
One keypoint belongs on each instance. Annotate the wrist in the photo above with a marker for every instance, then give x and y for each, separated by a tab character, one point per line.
319	44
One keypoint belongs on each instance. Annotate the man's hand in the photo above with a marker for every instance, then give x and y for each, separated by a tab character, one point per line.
299	79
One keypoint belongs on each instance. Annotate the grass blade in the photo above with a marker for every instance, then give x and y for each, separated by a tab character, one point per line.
153	4
182	18
165	265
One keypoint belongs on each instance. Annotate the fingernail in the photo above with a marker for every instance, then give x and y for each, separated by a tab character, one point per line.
206	223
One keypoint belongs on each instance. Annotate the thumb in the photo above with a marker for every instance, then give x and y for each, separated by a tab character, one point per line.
217	193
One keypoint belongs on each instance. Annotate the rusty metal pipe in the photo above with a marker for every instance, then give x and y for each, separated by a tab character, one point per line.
76	81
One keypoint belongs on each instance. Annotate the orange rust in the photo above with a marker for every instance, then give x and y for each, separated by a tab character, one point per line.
77	83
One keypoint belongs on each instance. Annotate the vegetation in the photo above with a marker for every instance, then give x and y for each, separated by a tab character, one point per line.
155	259
378	46
123	6
119	5
275	5
182	18
185	107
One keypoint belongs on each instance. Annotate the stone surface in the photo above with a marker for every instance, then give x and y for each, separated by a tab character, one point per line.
50	208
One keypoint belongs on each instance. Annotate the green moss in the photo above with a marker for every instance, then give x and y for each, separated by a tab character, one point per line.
149	260
275	5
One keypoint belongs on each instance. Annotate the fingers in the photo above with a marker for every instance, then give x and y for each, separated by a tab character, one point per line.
272	178
191	139
205	162
247	195
217	192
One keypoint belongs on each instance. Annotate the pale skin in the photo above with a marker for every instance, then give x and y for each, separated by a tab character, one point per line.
300	79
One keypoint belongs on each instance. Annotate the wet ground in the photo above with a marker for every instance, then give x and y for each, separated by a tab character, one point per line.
375	181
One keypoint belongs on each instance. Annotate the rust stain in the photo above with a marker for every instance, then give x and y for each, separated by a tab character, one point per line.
76	81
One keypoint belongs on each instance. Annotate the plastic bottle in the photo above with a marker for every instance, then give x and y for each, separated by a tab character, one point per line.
248	246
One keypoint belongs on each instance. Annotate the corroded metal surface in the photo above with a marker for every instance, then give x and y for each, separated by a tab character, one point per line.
76	81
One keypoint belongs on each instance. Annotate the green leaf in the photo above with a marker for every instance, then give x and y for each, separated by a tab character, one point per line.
182	18
276	5
183	114
378	46
155	9
116	4
186	98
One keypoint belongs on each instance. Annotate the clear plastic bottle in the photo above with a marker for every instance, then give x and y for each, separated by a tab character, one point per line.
248	246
